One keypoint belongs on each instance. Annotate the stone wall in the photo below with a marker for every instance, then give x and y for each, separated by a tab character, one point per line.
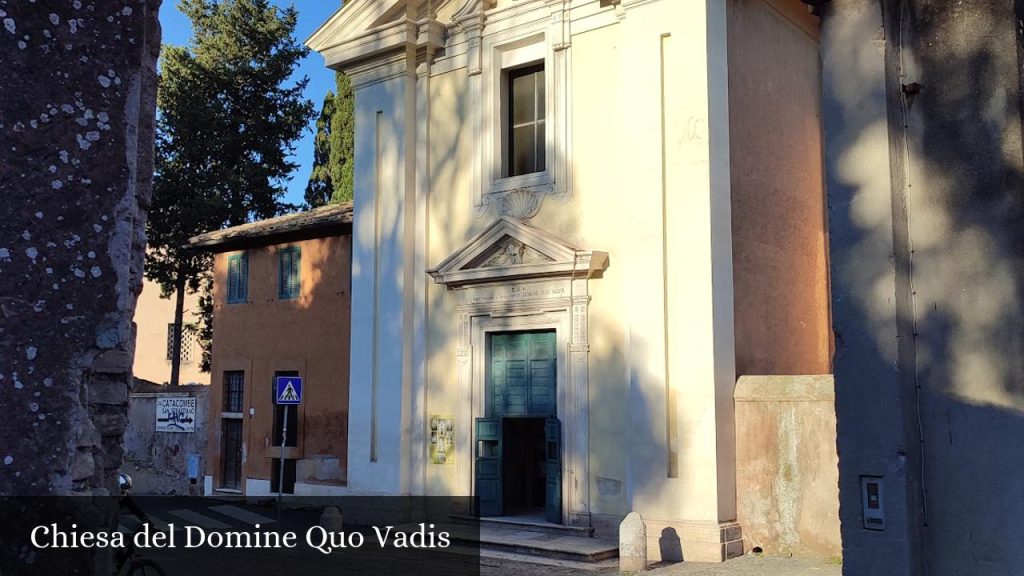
76	127
925	169
158	461
787	474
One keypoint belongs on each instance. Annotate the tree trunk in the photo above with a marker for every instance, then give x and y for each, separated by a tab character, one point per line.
179	313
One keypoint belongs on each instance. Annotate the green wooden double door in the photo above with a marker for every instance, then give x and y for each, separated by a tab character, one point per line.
518	458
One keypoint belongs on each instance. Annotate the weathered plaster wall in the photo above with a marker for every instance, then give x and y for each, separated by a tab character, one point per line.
310	335
158	461
787	473
780	266
76	119
923	152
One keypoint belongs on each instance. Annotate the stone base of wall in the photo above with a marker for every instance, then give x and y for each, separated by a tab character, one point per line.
787	474
680	541
677	540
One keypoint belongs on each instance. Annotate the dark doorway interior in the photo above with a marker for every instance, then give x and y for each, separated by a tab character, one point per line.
524	476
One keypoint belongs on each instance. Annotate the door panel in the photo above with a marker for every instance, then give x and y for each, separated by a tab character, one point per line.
488	466
553	465
521	374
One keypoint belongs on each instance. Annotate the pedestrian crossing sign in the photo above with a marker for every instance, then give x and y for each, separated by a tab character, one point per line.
288	389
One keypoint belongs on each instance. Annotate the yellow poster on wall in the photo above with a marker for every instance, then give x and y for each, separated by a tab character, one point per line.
442	439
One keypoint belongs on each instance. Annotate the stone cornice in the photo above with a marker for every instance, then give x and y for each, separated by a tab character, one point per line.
392	37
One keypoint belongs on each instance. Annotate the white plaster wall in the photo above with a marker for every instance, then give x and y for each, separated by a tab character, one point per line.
681	47
649	164
377	291
616	206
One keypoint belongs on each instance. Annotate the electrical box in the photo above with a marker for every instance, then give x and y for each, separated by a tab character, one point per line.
873	500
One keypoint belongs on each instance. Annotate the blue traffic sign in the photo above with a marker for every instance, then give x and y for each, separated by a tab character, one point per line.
288	389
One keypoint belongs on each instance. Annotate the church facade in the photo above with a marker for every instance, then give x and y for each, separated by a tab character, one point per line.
589	263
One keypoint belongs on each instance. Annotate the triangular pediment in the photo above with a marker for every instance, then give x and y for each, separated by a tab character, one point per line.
362	30
353	19
509	249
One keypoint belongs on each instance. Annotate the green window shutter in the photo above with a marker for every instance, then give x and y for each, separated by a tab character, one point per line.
288	273
243	278
238	278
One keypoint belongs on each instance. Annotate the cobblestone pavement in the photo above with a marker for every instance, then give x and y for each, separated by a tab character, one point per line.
745	566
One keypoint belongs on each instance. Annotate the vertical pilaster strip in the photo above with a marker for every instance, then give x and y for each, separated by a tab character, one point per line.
671	419
464	423
577	442
419	278
375	373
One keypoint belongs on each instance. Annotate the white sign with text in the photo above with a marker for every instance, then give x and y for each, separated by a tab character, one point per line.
176	414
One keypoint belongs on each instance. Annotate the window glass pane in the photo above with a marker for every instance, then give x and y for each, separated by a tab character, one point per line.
540	93
523	99
525	144
523	150
233	384
541	155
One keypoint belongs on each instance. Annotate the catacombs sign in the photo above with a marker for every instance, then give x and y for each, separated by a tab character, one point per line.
176	414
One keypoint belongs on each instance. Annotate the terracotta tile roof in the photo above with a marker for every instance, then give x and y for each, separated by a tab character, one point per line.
328	217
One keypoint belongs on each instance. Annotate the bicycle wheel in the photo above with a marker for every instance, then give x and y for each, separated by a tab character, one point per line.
145	567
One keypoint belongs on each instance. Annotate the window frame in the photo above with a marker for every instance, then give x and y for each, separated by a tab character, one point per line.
289	292
227	394
505	48
241	292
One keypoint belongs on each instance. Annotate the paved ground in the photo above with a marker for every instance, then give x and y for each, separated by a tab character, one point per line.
214	515
745	566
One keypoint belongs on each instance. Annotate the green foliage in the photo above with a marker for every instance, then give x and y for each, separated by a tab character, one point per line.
228	119
333	148
319	189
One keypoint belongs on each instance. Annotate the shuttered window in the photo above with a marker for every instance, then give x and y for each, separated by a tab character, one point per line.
238	278
288	272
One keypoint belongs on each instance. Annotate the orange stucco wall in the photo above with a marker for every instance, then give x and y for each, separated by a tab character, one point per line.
310	335
152	315
779	231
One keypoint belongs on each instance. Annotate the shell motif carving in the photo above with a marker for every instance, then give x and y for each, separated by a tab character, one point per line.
520	203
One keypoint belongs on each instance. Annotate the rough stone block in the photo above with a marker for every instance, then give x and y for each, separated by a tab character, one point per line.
111	424
83	466
108	391
113	362
632	544
89	436
331	519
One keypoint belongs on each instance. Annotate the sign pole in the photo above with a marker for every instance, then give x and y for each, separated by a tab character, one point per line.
280	475
287	392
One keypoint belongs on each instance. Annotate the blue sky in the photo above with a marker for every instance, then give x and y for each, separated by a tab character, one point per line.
312	13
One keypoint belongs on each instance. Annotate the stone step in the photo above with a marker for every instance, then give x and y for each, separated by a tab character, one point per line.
530	525
540	544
